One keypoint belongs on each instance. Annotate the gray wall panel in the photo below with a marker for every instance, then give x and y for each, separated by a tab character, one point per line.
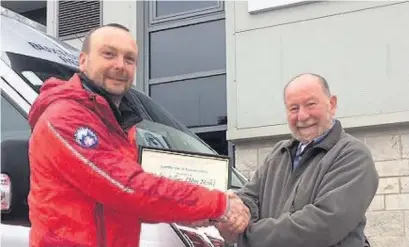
363	53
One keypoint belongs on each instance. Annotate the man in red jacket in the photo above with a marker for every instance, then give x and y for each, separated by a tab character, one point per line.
87	188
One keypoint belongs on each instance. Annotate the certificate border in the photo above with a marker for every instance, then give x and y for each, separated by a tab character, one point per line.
191	153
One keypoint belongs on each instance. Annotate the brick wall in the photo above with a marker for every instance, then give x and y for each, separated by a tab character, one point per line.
388	215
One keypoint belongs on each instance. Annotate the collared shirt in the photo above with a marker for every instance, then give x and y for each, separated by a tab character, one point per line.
302	146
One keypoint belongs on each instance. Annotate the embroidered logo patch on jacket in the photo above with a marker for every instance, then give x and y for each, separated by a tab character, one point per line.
86	137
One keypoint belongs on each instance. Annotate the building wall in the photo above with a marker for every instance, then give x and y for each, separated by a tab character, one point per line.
362	49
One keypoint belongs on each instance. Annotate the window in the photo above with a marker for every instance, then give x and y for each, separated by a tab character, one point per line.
37	15
188	49
35	70
196	102
13	123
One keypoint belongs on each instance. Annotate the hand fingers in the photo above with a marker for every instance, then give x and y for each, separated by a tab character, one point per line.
246	210
231	193
233	227
237	223
238	215
241	208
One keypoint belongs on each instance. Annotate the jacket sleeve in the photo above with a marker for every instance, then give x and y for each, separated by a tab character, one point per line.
343	198
249	194
112	178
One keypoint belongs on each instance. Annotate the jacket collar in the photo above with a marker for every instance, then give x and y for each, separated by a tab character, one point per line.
127	114
90	86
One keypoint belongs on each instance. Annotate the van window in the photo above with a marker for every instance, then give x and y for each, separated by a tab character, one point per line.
13	123
35	70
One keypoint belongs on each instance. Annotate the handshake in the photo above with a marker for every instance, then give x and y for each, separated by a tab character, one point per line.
234	221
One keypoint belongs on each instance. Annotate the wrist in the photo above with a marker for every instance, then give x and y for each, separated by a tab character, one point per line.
223	216
227	209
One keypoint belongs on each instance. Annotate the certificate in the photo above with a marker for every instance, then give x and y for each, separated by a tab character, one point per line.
208	170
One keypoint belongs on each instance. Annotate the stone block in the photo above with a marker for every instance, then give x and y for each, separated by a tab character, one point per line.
251	174
405	146
263	153
377	204
246	159
385	224
388	186
397	202
386	147
407	223
359	134
404	185
382	241
246	173
392	168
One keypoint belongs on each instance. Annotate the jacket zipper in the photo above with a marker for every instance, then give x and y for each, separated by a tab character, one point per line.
100	225
293	178
297	173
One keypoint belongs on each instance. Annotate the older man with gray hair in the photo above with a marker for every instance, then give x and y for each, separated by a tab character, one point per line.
313	190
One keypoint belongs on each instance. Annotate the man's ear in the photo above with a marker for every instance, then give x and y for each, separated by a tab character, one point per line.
333	104
83	61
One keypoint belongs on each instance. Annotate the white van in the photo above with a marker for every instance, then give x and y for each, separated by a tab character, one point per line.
28	57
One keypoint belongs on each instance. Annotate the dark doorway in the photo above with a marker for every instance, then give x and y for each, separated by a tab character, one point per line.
217	140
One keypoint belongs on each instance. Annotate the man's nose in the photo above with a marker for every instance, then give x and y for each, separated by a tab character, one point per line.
120	63
303	114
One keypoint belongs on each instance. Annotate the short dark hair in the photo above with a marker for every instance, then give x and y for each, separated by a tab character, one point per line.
321	79
86	43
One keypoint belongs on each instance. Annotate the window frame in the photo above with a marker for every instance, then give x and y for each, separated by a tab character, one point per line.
15	103
14	81
194	129
144	29
155	19
18	109
169	79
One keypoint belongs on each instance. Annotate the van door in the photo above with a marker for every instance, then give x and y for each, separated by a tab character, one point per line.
15	132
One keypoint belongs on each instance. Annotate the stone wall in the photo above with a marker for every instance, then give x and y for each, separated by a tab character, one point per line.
388	215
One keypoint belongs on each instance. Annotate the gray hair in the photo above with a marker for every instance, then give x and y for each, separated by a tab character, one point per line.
321	79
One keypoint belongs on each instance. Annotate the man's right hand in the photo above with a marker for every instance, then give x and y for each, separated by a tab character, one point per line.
237	216
235	219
